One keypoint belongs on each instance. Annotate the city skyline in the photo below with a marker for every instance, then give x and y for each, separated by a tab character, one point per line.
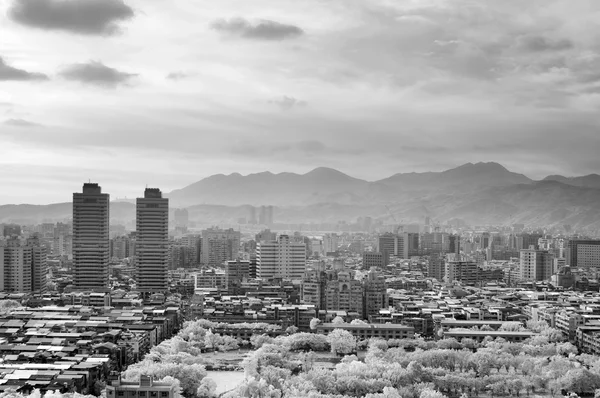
281	86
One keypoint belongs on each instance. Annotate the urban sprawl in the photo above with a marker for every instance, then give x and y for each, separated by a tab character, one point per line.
167	308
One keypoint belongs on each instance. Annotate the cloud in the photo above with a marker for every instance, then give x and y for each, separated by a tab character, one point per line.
177	75
96	73
261	30
286	103
11	73
20	123
86	17
543	44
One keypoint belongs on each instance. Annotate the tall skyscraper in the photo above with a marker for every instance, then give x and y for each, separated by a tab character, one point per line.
152	244
283	258
91	249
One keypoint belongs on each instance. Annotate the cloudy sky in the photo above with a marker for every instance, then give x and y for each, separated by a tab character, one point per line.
166	92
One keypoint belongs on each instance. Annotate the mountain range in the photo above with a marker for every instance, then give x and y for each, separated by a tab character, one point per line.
481	193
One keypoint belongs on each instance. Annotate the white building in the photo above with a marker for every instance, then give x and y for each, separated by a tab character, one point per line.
284	258
535	265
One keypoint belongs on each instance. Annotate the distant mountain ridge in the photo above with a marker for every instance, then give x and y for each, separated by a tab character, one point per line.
328	185
480	193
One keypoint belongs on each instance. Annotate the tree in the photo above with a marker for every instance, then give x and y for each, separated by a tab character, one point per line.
8	305
313	323
291	330
511	327
358	322
190	376
341	342
338	320
430	393
207	389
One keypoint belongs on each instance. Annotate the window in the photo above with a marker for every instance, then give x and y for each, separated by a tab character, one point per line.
164	394
121	393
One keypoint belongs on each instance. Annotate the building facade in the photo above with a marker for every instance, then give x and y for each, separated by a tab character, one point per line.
91	248
152	242
283	258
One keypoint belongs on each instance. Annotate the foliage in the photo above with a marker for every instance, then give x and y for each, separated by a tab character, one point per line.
190	376
341	342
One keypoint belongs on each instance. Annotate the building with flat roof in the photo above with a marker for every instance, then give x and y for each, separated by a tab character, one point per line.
152	242
584	253
370	330
146	387
91	248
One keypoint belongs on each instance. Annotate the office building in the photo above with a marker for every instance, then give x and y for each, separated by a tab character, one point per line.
219	245
403	245
152	242
283	258
91	248
535	265
375	259
584	253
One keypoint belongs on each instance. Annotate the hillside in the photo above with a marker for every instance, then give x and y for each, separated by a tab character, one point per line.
482	193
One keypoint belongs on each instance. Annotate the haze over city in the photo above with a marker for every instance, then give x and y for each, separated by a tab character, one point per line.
166	93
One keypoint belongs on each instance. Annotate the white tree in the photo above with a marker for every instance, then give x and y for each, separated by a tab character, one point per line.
338	320
341	342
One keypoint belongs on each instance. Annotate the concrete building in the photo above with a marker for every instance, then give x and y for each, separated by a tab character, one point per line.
535	265
145	388
465	272
283	258
219	245
91	248
584	253
39	266
375	259
343	292
17	259
331	242
375	294
152	242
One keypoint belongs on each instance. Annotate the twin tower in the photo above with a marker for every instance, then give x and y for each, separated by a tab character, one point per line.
91	235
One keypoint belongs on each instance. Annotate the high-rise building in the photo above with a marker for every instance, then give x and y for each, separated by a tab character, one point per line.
266	215
120	248
583	253
343	292
182	219
219	245
16	260
39	265
283	258
375	294
152	243
236	272
404	245
535	265
91	249
265	235
331	242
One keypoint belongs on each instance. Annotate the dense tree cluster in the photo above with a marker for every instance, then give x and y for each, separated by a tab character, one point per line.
419	368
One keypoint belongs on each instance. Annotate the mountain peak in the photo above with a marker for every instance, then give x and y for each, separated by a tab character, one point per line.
326	172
